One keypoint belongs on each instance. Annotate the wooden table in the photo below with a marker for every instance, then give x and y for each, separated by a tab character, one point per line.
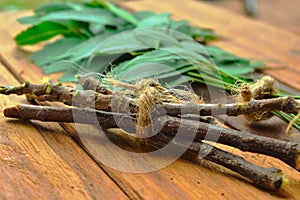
41	160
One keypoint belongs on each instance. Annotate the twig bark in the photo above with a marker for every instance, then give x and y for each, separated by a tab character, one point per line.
288	152
123	109
99	101
69	115
60	93
89	83
267	178
286	104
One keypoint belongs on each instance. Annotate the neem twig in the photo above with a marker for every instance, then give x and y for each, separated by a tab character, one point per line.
286	151
99	101
89	83
286	104
61	114
60	93
267	178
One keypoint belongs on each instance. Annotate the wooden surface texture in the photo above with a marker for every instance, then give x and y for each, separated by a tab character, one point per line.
42	161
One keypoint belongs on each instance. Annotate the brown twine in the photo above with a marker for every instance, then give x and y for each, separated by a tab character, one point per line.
147	93
186	96
150	92
262	88
149	97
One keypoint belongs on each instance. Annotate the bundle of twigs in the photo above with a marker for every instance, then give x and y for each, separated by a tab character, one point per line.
142	103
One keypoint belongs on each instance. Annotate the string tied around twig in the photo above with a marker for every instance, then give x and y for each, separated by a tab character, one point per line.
262	88
147	93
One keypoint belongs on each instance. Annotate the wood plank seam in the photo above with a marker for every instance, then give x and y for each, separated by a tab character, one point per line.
71	131
6	64
9	68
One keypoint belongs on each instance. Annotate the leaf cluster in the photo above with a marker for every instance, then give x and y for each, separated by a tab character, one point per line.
100	37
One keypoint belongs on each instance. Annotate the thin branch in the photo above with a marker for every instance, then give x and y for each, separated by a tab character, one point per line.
286	104
99	101
267	178
89	83
60	93
67	115
288	152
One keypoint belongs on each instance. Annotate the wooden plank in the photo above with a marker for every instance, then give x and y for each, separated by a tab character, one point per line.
20	66
186	180
243	36
286	17
180	180
42	161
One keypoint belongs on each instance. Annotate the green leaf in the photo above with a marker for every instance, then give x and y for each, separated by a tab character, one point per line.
69	75
153	64
56	6
55	67
122	13
45	56
181	26
219	54
96	28
237	70
158	37
40	32
180	70
84	49
203	35
173	82
144	70
160	20
143	14
32	20
124	42
95	15
99	64
187	54
231	63
46	9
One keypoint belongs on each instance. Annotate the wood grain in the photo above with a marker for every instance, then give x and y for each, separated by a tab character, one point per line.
280	13
63	164
41	161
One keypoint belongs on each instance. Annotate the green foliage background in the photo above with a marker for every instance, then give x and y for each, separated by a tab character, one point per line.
10	5
20	4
